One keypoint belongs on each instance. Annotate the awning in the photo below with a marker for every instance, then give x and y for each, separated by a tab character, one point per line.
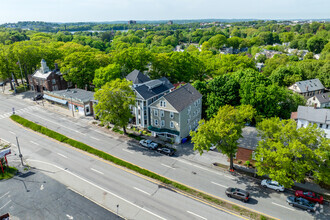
61	101
4	152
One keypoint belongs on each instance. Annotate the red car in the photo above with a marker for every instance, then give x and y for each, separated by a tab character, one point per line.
310	196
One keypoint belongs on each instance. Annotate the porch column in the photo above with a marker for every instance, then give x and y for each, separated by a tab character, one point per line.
1	167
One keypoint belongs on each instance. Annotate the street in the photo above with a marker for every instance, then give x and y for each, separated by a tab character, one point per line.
139	198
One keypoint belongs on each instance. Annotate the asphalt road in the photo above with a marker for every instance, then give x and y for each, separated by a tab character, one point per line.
110	186
177	168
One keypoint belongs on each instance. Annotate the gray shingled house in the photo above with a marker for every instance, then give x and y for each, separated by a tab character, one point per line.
175	114
308	88
320	100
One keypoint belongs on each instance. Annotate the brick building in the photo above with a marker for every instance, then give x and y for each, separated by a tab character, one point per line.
46	80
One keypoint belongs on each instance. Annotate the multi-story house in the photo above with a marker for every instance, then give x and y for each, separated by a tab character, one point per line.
46	80
175	114
311	115
147	91
320	100
308	88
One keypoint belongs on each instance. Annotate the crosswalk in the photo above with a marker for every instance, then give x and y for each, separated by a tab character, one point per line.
27	109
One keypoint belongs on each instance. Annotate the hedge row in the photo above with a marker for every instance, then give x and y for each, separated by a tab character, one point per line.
108	157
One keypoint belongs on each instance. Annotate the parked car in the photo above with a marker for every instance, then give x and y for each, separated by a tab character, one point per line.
301	203
238	194
272	185
149	144
37	97
3	83
310	196
213	147
167	151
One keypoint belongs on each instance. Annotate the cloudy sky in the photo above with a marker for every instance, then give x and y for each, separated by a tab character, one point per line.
114	10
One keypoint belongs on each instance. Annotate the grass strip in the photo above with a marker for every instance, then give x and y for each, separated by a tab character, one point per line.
108	157
9	172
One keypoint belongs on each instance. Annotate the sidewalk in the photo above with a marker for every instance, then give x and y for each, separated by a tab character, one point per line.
184	151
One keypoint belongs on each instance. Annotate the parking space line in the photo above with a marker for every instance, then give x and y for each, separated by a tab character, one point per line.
5	204
196	215
203	168
128	151
62	155
12	132
283	206
34	143
167	166
142	191
229	177
97	171
4	195
95	138
218	184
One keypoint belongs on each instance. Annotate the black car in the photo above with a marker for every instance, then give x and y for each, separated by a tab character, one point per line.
301	203
167	151
3	83
37	97
238	194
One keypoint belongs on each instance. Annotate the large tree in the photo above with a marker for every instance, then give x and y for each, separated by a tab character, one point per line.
114	101
107	74
288	154
223	130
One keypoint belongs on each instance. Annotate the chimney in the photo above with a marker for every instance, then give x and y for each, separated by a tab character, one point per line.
56	66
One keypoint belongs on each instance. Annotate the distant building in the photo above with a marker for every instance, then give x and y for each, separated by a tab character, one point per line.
308	88
170	22
131	22
311	115
320	100
44	79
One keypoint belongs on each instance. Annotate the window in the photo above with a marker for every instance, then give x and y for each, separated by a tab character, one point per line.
195	103
302	125
253	156
321	125
156	112
53	81
162	124
188	121
156	122
162	104
172	124
171	114
327	127
161	113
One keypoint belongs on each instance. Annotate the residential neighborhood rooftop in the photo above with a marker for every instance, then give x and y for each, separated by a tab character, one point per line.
183	97
323	98
308	85
153	87
76	94
137	77
316	115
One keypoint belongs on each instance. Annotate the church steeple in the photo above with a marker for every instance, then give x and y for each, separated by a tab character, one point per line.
44	68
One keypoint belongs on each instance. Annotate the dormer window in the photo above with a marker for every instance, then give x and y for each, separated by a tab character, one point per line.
162	104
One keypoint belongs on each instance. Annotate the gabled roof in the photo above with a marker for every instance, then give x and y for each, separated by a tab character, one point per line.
318	115
153	87
323	98
76	94
137	77
183	97
40	75
307	86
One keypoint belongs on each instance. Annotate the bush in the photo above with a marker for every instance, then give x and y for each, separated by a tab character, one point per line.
247	163
239	162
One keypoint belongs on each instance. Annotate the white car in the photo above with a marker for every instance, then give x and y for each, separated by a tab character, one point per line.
272	185
149	144
213	147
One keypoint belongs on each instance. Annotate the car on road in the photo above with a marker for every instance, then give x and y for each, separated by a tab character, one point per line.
166	150
272	185
310	196
238	194
301	203
37	97
149	144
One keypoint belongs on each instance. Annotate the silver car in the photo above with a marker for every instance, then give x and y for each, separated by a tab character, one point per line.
301	203
272	185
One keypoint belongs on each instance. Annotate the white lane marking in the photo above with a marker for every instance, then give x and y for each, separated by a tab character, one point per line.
183	161
12	132
34	143
229	177
142	191
99	187
283	206
203	168
42	187
97	171
167	166
4	195
69	216
59	124
196	215
100	132
5	204
131	152
95	138
62	155
219	184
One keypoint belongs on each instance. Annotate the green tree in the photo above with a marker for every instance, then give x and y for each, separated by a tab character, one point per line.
114	101
234	42
223	130
288	154
107	74
316	44
217	41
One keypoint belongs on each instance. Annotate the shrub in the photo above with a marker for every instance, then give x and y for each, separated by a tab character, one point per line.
239	161
247	163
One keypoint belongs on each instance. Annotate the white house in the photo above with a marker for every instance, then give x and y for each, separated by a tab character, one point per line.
320	100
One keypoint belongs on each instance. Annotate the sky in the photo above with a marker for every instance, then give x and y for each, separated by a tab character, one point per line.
122	10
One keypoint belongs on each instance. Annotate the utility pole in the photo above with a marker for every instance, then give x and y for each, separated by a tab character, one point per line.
19	150
72	106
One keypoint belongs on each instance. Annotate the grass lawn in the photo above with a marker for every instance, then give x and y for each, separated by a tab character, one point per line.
9	173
